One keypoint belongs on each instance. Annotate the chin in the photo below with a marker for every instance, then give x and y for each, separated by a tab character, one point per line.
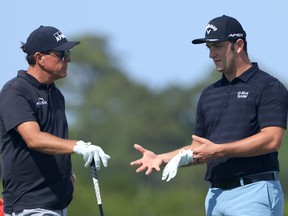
64	75
219	69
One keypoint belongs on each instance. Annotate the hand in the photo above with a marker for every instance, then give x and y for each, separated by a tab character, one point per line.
149	160
91	152
206	150
184	157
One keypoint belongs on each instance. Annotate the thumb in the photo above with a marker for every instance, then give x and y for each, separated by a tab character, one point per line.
139	148
198	139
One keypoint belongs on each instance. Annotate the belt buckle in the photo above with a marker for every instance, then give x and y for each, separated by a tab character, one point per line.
241	181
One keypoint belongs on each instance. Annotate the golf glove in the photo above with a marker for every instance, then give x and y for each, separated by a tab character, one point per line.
184	157
91	152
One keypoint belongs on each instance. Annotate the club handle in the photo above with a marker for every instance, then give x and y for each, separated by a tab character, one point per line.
93	170
96	187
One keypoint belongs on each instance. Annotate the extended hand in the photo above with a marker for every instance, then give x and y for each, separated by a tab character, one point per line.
91	152
184	157
149	160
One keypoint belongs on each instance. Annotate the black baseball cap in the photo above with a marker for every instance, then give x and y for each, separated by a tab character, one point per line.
47	38
222	28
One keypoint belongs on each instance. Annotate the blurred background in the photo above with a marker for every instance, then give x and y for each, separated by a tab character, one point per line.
136	78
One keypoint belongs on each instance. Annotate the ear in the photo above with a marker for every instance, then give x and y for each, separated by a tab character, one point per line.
39	57
239	45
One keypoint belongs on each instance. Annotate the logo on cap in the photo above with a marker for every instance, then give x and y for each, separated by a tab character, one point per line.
59	36
210	27
239	35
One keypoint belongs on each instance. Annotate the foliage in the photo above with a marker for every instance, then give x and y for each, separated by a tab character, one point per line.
110	110
114	112
107	108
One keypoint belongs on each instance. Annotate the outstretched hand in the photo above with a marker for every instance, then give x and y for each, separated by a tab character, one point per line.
148	162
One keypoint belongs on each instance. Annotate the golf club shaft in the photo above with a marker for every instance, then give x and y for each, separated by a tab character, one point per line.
96	187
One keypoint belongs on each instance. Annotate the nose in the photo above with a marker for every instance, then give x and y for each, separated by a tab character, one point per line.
212	52
67	58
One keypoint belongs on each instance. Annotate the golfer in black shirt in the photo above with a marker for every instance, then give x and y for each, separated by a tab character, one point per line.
35	149
240	125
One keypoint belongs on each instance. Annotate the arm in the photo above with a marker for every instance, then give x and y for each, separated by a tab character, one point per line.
50	144
268	140
42	141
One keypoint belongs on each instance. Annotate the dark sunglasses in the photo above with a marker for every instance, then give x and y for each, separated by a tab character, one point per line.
59	54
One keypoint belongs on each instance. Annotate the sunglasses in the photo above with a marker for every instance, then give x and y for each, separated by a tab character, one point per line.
62	55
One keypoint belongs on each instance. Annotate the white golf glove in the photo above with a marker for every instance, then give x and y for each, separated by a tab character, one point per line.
91	152
184	157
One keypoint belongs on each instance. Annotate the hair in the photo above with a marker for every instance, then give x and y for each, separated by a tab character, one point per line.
29	58
245	44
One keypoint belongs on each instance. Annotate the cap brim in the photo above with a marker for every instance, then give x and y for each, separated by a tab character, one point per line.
67	46
199	41
204	40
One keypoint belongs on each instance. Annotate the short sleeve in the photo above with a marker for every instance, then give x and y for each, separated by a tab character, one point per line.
15	108
273	105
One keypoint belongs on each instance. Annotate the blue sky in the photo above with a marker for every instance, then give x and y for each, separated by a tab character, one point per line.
151	38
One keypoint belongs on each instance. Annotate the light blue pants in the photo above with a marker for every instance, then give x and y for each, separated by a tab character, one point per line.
40	212
263	198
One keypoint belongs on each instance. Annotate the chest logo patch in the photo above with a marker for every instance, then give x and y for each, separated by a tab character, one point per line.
41	102
242	94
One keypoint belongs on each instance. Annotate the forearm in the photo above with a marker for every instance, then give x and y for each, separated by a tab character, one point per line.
166	157
50	144
42	141
266	141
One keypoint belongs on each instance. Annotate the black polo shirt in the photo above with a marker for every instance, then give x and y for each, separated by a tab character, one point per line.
231	111
32	179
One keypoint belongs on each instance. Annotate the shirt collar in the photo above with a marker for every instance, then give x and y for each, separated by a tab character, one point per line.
23	74
244	77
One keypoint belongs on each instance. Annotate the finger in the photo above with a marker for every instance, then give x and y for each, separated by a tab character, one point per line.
104	161
141	169
104	158
169	178
139	148
172	174
157	168
198	139
149	171
164	176
97	161
88	161
107	157
165	173
136	163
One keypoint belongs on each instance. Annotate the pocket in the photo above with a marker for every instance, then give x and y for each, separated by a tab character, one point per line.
275	196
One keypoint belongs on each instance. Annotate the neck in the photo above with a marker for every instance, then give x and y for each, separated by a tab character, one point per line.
242	64
39	74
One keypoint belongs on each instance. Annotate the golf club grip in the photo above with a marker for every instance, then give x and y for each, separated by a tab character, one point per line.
93	170
96	187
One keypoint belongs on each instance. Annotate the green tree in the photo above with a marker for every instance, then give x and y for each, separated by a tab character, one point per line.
110	110
107	108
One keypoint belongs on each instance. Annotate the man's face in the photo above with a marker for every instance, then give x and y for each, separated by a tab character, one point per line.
223	55
56	64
